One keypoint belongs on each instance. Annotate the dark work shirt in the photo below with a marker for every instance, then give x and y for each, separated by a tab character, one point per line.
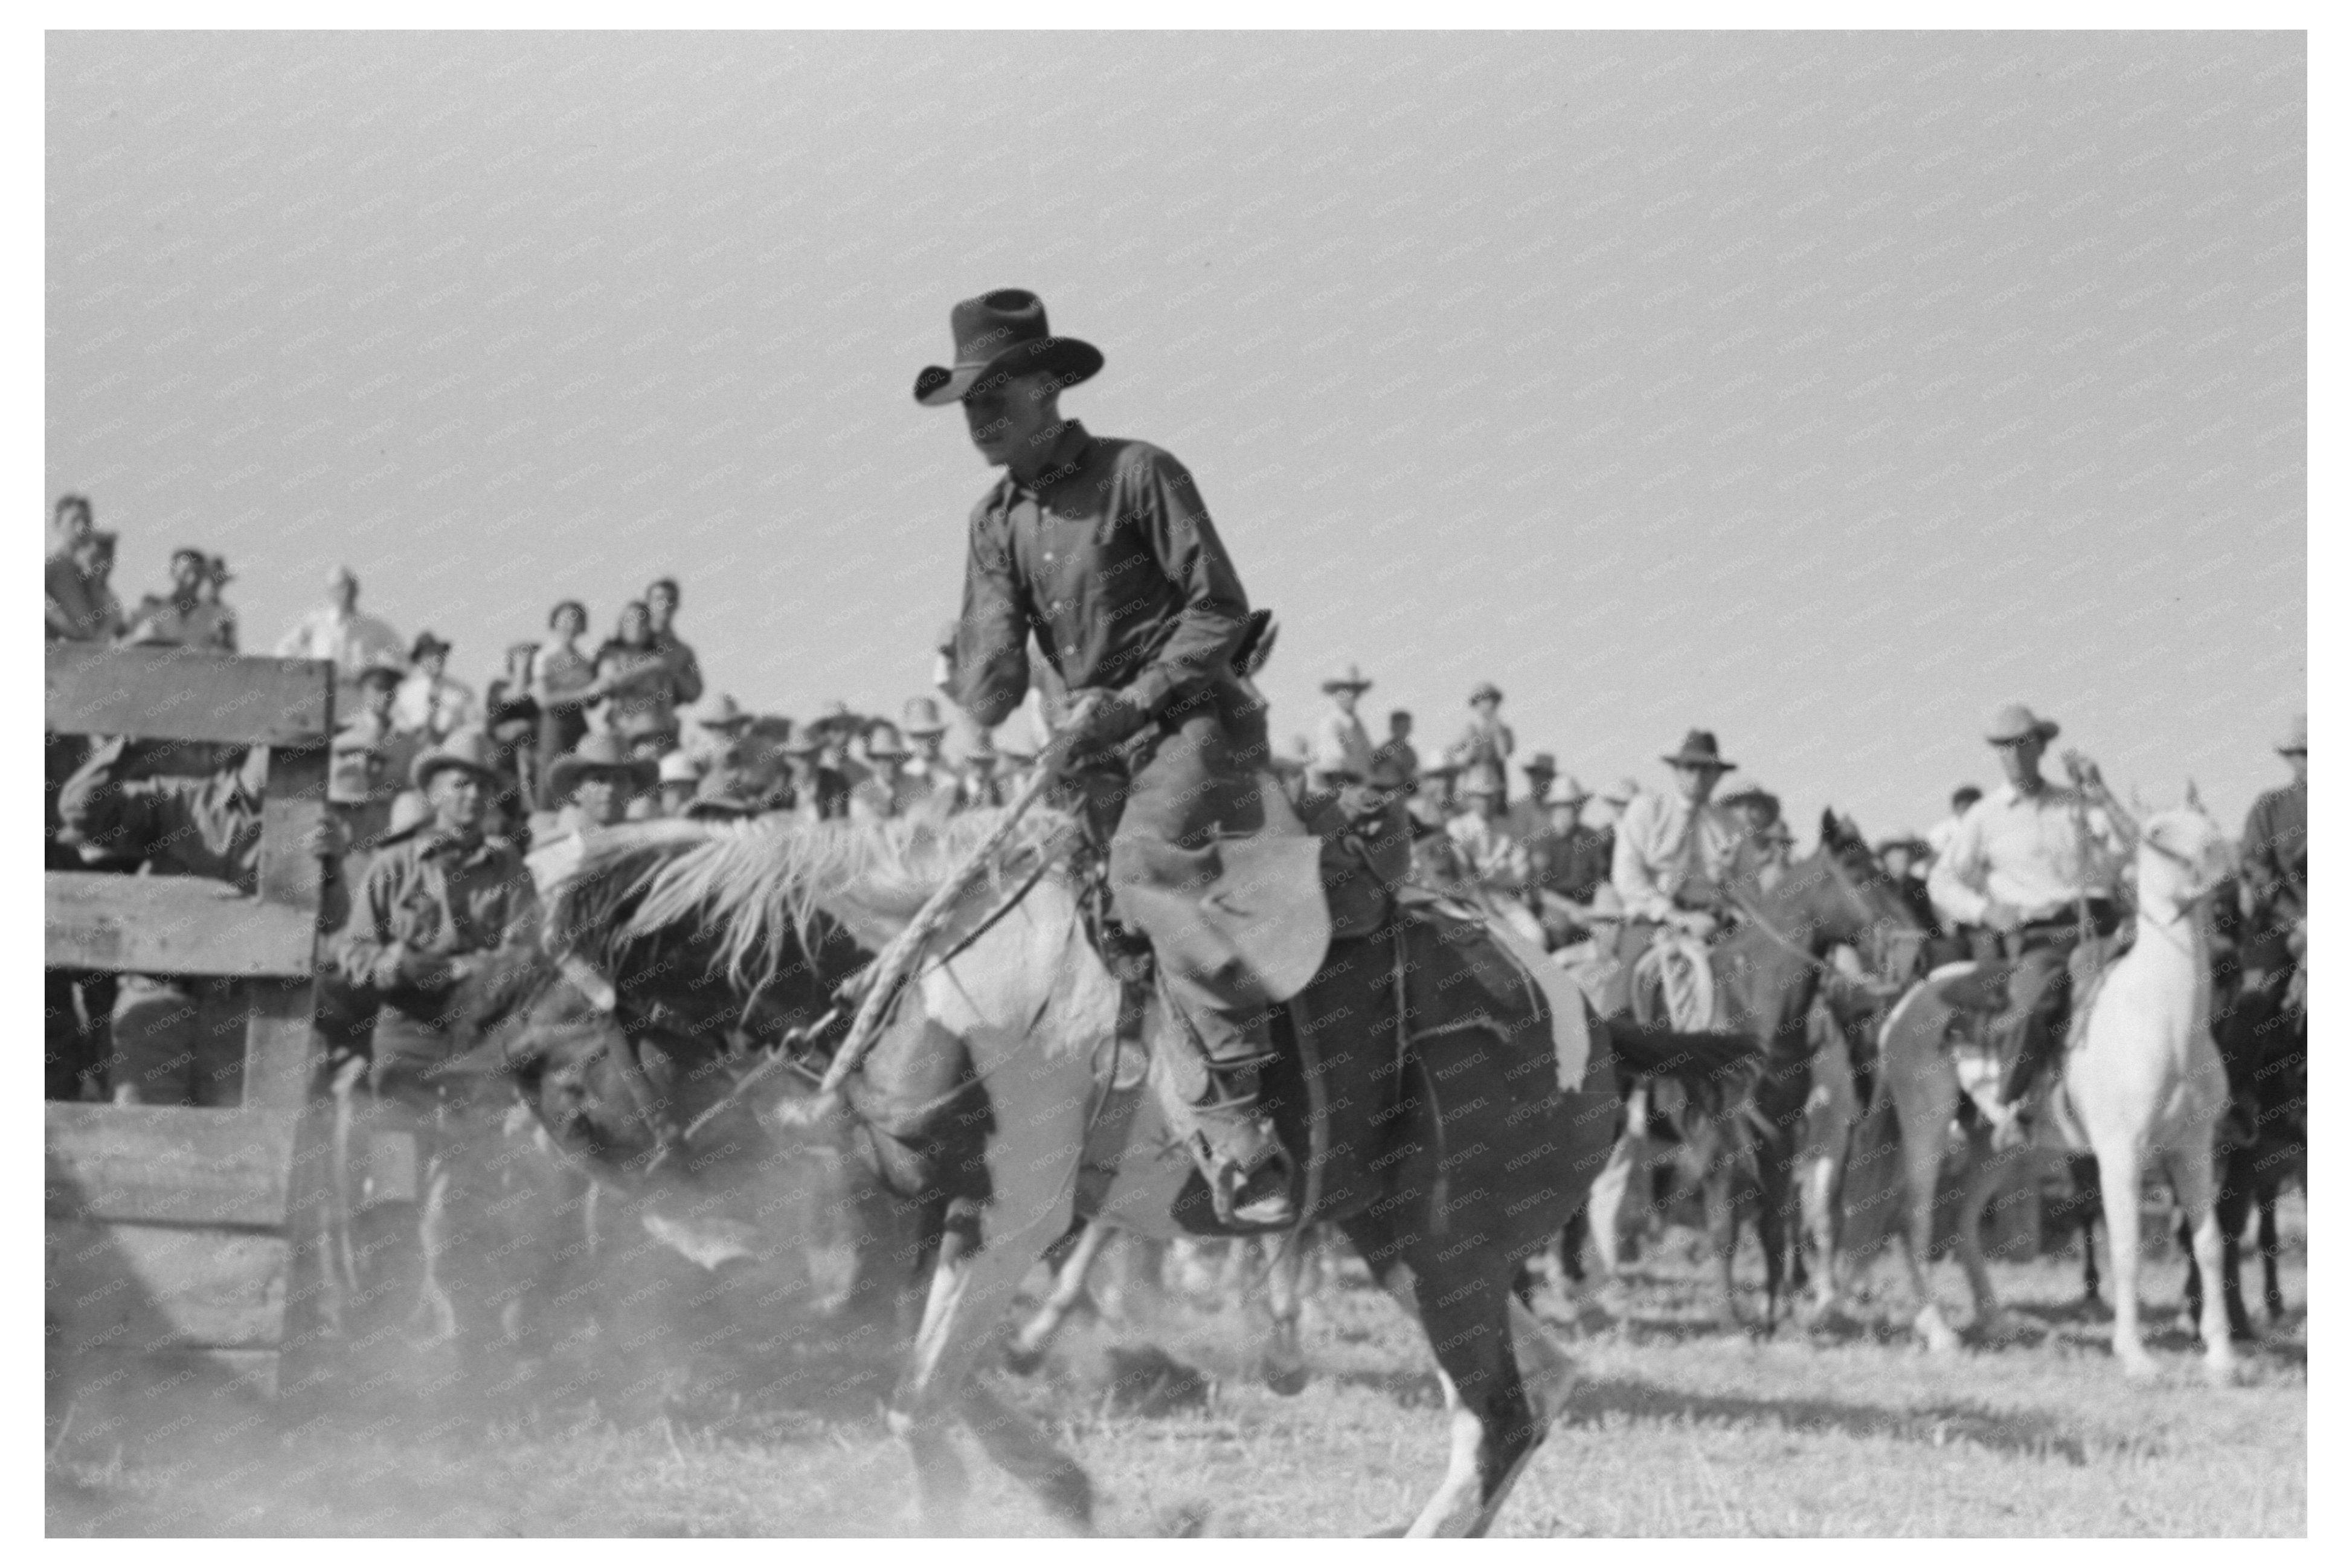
2275	852
1111	560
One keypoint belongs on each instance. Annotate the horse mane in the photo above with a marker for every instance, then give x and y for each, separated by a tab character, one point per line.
765	881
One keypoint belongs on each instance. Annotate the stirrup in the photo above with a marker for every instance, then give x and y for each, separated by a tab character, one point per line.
1260	1198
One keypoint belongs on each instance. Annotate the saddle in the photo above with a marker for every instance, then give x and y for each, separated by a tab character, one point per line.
1976	990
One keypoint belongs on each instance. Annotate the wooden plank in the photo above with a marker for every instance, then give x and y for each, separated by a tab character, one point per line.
136	1289
174	694
164	1164
172	925
282	1054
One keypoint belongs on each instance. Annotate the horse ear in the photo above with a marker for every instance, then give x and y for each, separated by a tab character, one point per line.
1831	828
2191	800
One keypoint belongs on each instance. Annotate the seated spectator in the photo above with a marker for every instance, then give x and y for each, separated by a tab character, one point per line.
718	798
71	522
980	782
340	633
179	1040
889	791
431	703
819	791
182	616
639	685
562	682
926	733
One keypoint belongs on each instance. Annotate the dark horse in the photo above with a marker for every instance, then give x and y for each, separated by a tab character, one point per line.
1742	1135
1421	1077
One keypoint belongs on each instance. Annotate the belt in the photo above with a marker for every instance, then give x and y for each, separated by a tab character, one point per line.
2100	910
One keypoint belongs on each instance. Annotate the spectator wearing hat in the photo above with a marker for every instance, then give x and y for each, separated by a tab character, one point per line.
1485	739
820	792
714	733
1939	837
2276	857
1676	849
1904	861
562	682
1342	751
2030	862
368	762
432	703
662	597
1529	817
182	616
439	903
179	1040
342	633
719	797
677	780
889	789
596	785
926	733
71	521
980	778
1487	855
1432	805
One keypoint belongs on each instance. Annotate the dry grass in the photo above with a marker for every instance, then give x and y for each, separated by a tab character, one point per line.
1679	1431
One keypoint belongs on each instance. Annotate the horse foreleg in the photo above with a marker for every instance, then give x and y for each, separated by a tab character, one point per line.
1027	1351
1819	1198
2119	1195
2191	1170
1722	1237
1986	1170
972	1288
1922	1161
2266	1239
1283	1365
1605	1210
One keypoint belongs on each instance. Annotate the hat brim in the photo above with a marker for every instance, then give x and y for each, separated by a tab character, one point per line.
1072	360
1691	760
568	771
421	770
2043	730
1346	686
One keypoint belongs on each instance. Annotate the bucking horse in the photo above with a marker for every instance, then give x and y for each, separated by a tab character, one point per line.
1452	1103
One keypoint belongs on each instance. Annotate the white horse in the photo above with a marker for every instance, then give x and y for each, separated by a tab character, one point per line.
2141	1086
2145	1083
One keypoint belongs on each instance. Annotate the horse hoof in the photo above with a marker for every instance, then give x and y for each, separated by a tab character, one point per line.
1286	1381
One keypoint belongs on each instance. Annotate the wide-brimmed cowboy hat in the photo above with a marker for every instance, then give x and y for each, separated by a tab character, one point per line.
382	667
1916	846
425	643
2296	742
805	741
1482	778
882	741
2017	722
1348	679
920	716
601	754
1756	795
1621	792
677	767
1541	762
836	716
1003	334
1698	750
724	797
467	748
1485	688
719	712
512	711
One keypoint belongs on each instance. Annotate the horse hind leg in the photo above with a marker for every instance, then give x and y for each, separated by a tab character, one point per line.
1281	1364
1922	1161
2192	1184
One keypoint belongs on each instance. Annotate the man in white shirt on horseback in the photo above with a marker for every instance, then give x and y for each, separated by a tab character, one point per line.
2036	863
1676	849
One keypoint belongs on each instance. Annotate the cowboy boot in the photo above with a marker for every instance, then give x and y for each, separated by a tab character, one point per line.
1250	1175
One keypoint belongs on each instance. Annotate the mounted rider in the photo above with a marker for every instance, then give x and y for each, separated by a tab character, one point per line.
2036	863
1101	549
1676	849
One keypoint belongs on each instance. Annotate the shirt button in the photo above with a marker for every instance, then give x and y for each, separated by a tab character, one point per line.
1049	556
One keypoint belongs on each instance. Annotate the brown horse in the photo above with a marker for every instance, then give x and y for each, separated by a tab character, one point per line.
1426	1093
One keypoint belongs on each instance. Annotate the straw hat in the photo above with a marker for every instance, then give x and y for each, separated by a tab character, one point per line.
719	712
1348	679
467	748
2018	722
600	753
921	717
677	767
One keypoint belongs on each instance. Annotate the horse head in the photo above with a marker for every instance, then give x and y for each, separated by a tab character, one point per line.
1843	897
2183	856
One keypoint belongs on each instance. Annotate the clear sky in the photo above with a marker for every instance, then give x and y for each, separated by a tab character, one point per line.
1827	391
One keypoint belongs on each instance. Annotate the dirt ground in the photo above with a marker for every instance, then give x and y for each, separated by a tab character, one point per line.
1678	1430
